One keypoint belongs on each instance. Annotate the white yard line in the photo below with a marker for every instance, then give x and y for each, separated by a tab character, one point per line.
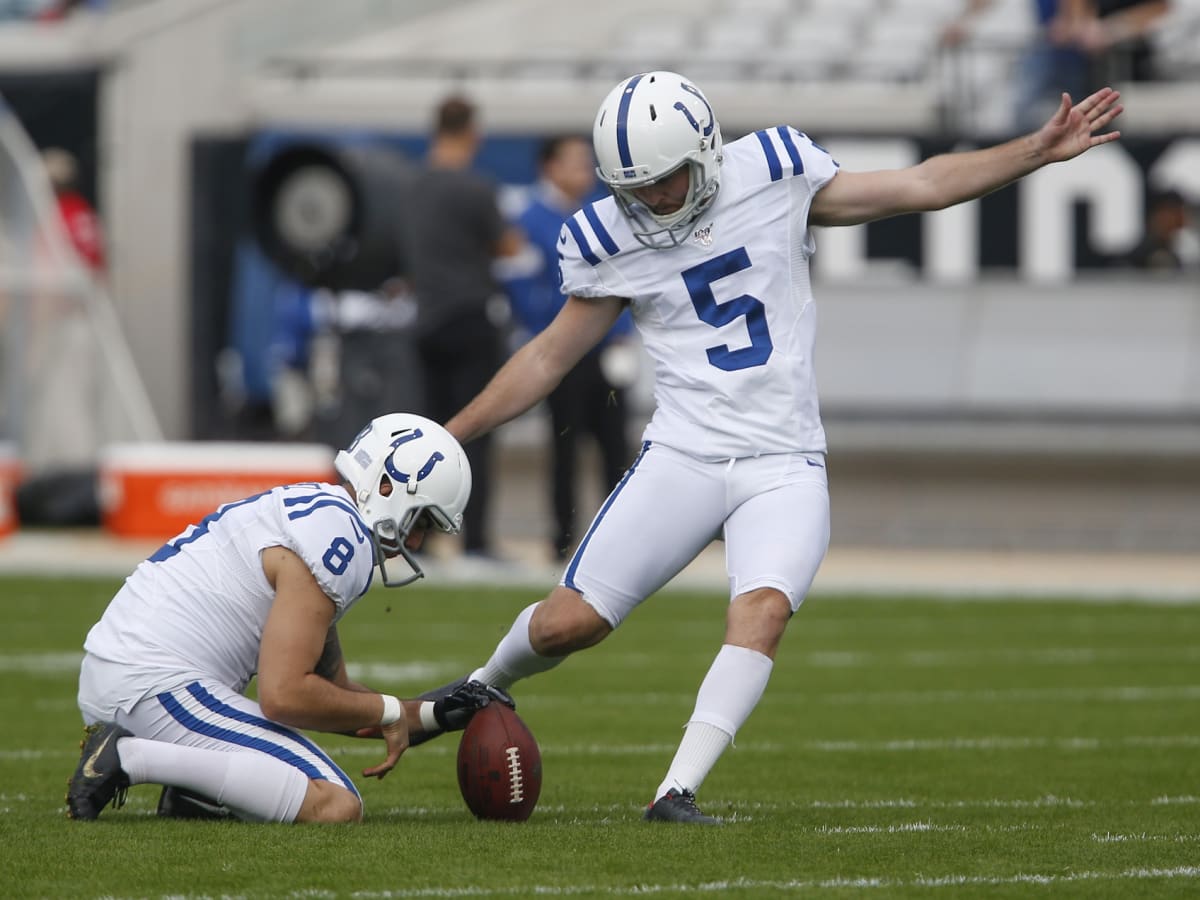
1120	693
1069	744
1020	656
1145	837
790	886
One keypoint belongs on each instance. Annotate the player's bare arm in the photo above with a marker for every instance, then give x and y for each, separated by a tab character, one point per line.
291	689
332	664
852	198
537	368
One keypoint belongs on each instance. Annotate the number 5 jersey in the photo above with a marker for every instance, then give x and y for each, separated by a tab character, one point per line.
728	315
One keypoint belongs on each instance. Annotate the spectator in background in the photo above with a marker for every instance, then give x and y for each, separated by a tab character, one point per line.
1113	35
1168	221
57	10
452	234
78	217
45	10
1079	45
1043	69
590	400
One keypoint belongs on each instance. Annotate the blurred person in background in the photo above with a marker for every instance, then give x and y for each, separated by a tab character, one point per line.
78	217
1114	35
1042	69
257	591
452	233
46	10
1078	46
1170	241
709	245
590	400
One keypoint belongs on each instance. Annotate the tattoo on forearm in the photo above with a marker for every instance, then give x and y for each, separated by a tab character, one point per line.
330	663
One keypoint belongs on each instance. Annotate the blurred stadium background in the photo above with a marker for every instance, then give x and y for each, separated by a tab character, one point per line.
993	378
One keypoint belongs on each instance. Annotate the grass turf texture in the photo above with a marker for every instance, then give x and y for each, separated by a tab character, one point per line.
904	748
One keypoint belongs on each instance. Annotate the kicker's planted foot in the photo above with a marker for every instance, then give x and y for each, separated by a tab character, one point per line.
678	806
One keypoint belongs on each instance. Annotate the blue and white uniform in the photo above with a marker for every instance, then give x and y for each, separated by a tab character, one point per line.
735	447
179	642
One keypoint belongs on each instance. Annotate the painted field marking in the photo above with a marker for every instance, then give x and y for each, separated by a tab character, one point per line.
1057	656
790	886
1145	837
908	745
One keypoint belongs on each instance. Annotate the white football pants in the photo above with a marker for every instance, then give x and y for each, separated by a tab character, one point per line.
213	717
772	512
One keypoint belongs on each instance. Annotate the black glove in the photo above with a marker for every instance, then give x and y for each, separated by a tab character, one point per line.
455	710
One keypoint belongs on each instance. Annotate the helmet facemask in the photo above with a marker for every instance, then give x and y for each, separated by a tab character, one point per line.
659	232
389	538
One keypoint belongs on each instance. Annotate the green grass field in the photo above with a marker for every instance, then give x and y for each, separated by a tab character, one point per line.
905	748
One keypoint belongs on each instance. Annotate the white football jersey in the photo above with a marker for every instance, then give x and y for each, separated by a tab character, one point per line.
197	607
728	315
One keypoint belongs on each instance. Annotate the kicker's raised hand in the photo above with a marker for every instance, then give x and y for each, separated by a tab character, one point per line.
1079	127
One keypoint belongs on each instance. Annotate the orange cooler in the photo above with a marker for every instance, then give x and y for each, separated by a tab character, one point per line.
155	490
10	476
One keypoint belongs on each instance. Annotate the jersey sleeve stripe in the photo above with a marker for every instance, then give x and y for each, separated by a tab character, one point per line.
606	240
789	144
324	501
774	166
623	123
584	247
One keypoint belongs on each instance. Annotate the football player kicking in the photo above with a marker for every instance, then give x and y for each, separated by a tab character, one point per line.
709	246
258	588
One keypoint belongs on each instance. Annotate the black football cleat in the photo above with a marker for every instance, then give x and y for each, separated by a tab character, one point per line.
176	803
99	777
678	806
439	692
456	703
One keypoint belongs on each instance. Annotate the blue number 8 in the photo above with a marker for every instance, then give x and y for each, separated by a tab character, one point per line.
338	556
699	281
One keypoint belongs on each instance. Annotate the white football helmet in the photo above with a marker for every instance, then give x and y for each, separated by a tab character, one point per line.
647	127
405	469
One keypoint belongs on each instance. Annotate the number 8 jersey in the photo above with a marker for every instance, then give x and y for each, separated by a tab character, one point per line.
197	607
728	315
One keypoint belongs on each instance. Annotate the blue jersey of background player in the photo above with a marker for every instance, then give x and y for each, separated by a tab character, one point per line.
591	402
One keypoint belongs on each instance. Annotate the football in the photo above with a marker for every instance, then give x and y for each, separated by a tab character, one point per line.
499	765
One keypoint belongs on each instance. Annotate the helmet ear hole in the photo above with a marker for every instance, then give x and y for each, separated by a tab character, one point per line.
385	486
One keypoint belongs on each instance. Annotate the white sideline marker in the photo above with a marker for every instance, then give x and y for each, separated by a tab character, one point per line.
792	886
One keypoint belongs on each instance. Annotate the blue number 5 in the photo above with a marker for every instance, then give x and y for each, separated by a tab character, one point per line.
699	281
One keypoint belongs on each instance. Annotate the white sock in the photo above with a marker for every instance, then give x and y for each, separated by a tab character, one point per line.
257	787
732	688
514	657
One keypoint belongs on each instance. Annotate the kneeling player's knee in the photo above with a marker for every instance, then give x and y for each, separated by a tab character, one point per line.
330	804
